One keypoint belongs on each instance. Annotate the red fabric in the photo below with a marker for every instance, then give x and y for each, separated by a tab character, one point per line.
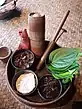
25	41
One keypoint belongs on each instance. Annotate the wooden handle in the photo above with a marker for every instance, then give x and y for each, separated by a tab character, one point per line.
52	44
50	47
61	24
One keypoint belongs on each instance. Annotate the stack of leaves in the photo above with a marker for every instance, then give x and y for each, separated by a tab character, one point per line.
63	63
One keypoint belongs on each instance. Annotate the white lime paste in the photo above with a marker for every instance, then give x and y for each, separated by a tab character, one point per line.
25	83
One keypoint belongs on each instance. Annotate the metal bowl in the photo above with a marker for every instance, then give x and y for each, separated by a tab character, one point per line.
15	78
49	90
17	52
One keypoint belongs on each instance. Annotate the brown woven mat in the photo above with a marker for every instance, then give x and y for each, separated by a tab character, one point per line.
54	10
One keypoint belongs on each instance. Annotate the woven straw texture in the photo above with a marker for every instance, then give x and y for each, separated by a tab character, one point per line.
54	11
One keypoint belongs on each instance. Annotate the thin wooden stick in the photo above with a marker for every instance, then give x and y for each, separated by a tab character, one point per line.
63	30
52	44
61	25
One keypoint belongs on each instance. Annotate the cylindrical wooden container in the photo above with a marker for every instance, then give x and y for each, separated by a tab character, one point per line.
37	47
36	32
36	26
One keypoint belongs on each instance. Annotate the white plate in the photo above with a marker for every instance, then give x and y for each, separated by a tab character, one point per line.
2	2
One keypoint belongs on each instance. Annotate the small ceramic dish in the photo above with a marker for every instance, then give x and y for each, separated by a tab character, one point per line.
5	53
49	88
25	82
22	59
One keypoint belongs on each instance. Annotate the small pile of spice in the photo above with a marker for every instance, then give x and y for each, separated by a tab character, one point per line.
49	88
24	59
25	83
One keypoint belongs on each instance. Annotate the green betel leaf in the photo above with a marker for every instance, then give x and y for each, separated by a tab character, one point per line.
74	65
63	63
60	52
63	57
52	68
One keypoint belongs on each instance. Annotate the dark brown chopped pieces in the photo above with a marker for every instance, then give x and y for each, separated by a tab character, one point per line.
24	60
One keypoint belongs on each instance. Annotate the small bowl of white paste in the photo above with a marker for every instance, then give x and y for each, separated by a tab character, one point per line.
25	82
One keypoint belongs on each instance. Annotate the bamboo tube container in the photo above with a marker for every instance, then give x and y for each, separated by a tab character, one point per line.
38	47
36	32
36	26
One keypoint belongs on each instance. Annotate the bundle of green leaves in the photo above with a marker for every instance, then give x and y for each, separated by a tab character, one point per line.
63	63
